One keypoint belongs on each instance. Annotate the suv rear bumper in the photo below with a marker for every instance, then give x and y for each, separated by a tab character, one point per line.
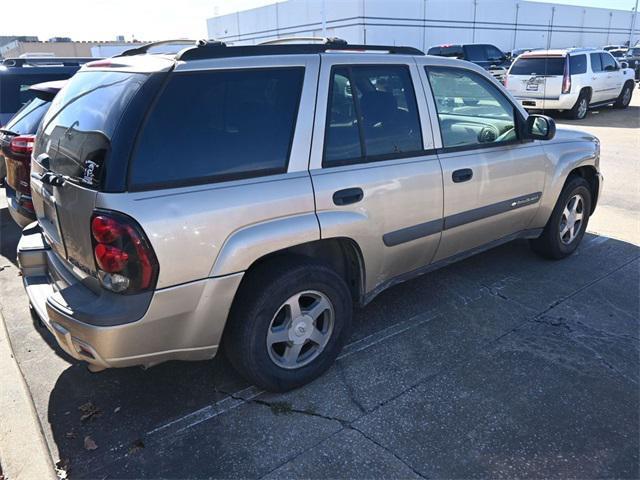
180	323
20	215
563	102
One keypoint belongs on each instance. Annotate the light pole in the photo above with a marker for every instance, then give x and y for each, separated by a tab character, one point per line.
633	23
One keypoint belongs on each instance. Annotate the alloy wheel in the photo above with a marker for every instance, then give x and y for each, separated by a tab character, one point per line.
300	329
571	219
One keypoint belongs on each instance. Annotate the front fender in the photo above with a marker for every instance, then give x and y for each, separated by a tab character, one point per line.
569	151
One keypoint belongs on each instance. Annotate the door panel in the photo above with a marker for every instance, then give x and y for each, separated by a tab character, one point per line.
397	222
492	181
500	199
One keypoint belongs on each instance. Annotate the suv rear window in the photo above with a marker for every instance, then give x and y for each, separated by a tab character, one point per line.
219	125
538	66
26	121
77	129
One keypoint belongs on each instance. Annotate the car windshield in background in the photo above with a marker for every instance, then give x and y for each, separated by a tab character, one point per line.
76	131
27	119
538	66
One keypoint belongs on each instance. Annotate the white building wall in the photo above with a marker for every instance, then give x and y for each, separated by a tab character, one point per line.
422	23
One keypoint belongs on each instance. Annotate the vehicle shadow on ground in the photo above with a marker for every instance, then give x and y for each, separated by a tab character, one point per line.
119	408
606	117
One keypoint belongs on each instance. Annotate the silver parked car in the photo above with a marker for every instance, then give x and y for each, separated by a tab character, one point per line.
248	196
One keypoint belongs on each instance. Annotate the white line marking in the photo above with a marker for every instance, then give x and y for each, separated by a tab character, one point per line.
241	397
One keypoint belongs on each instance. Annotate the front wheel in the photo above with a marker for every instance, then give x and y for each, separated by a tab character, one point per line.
288	324
568	222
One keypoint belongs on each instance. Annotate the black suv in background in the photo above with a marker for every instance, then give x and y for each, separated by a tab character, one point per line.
18	74
487	56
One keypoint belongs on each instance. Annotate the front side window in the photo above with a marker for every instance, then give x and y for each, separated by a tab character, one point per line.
372	115
577	64
471	110
219	125
609	63
596	62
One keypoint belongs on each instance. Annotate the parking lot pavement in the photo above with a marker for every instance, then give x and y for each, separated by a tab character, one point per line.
503	365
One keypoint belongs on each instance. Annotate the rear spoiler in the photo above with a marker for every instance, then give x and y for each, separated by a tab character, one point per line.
47	90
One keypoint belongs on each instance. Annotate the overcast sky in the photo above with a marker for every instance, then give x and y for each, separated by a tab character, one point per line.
148	19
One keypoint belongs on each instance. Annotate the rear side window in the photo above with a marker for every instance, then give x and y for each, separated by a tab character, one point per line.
219	125
475	53
596	63
538	66
26	121
372	115
577	64
77	130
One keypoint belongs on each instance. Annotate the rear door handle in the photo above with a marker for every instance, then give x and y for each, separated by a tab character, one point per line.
348	196
462	175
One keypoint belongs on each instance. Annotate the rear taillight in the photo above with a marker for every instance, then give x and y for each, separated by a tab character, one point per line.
566	77
22	144
124	257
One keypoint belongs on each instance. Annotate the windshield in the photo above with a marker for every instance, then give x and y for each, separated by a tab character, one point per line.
77	130
538	66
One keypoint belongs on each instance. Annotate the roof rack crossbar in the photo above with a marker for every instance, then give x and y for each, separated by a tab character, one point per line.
288	40
65	61
145	48
216	49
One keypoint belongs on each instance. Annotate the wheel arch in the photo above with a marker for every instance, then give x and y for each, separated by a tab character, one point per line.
590	174
342	254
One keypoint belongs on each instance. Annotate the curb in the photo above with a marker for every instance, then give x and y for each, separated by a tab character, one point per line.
23	450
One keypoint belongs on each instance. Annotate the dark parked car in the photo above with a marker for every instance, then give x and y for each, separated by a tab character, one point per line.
487	56
16	145
632	58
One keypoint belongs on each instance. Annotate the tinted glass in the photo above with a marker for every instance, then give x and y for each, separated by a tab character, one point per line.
577	64
452	51
608	62
26	121
633	52
383	115
471	110
475	53
493	54
619	53
434	51
342	140
538	66
596	63
77	129
218	125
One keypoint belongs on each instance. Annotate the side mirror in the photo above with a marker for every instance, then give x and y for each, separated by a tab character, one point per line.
624	65
540	127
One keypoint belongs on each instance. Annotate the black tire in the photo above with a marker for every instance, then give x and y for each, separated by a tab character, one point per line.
550	244
577	112
261	296
624	100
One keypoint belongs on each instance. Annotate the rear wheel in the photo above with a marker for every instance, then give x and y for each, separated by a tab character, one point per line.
625	96
579	110
568	222
288	324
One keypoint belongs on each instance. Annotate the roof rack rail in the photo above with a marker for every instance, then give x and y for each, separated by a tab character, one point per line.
65	61
145	47
208	49
295	40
